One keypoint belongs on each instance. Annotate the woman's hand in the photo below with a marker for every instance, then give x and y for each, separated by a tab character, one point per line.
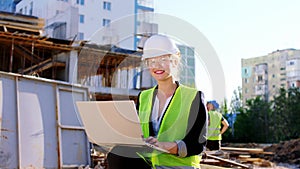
170	146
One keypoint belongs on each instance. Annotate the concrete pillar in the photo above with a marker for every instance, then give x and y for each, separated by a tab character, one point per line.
73	67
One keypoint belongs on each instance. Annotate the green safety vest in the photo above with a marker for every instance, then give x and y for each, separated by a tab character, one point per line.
173	125
214	126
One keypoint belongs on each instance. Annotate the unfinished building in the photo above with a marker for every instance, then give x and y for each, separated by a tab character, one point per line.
26	51
40	78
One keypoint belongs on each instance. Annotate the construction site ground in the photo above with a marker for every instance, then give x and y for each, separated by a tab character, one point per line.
284	155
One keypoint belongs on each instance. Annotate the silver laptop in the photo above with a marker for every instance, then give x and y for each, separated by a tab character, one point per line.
110	123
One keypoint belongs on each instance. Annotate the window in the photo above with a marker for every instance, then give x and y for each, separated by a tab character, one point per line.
259	78
107	5
30	8
59	31
81	18
282	68
25	10
181	49
273	76
105	22
81	36
190	51
291	63
190	61
259	88
81	2
246	80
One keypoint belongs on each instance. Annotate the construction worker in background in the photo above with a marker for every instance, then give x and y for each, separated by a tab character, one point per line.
173	116
217	125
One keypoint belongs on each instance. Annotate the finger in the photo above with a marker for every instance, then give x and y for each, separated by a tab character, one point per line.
157	143
151	140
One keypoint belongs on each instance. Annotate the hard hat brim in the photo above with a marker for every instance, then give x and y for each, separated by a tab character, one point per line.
155	53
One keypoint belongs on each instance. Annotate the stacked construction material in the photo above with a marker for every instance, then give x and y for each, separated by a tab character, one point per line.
17	23
235	157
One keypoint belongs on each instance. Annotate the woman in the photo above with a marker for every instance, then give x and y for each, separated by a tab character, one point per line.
173	116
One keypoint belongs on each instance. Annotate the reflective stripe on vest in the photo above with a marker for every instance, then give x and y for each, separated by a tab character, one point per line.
214	126
173	126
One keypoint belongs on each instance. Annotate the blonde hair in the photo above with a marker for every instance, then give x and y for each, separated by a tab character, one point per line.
176	66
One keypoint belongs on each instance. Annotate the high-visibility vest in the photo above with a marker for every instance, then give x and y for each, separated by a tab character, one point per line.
214	127
173	125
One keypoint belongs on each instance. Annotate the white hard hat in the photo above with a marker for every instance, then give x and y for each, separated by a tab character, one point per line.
158	45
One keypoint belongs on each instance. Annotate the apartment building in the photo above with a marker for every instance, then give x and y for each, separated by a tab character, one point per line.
81	19
8	5
265	75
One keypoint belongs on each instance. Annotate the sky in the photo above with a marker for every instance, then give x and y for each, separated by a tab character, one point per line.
237	29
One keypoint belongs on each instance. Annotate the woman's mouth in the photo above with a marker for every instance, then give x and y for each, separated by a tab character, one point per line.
159	71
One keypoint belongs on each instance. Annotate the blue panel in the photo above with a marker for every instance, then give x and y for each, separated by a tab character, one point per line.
38	136
32	116
8	124
68	115
75	147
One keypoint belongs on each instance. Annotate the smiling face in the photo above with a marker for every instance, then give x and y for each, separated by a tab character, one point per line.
162	67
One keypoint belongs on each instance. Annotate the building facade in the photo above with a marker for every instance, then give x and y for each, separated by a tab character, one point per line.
265	75
8	5
105	22
187	74
82	19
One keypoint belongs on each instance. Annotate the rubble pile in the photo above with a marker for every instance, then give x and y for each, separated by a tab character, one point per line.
285	152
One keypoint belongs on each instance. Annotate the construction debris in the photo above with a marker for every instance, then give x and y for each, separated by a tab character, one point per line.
226	162
285	152
263	157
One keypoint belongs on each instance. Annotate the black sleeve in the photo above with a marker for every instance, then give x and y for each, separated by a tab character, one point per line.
151	131
138	102
195	139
